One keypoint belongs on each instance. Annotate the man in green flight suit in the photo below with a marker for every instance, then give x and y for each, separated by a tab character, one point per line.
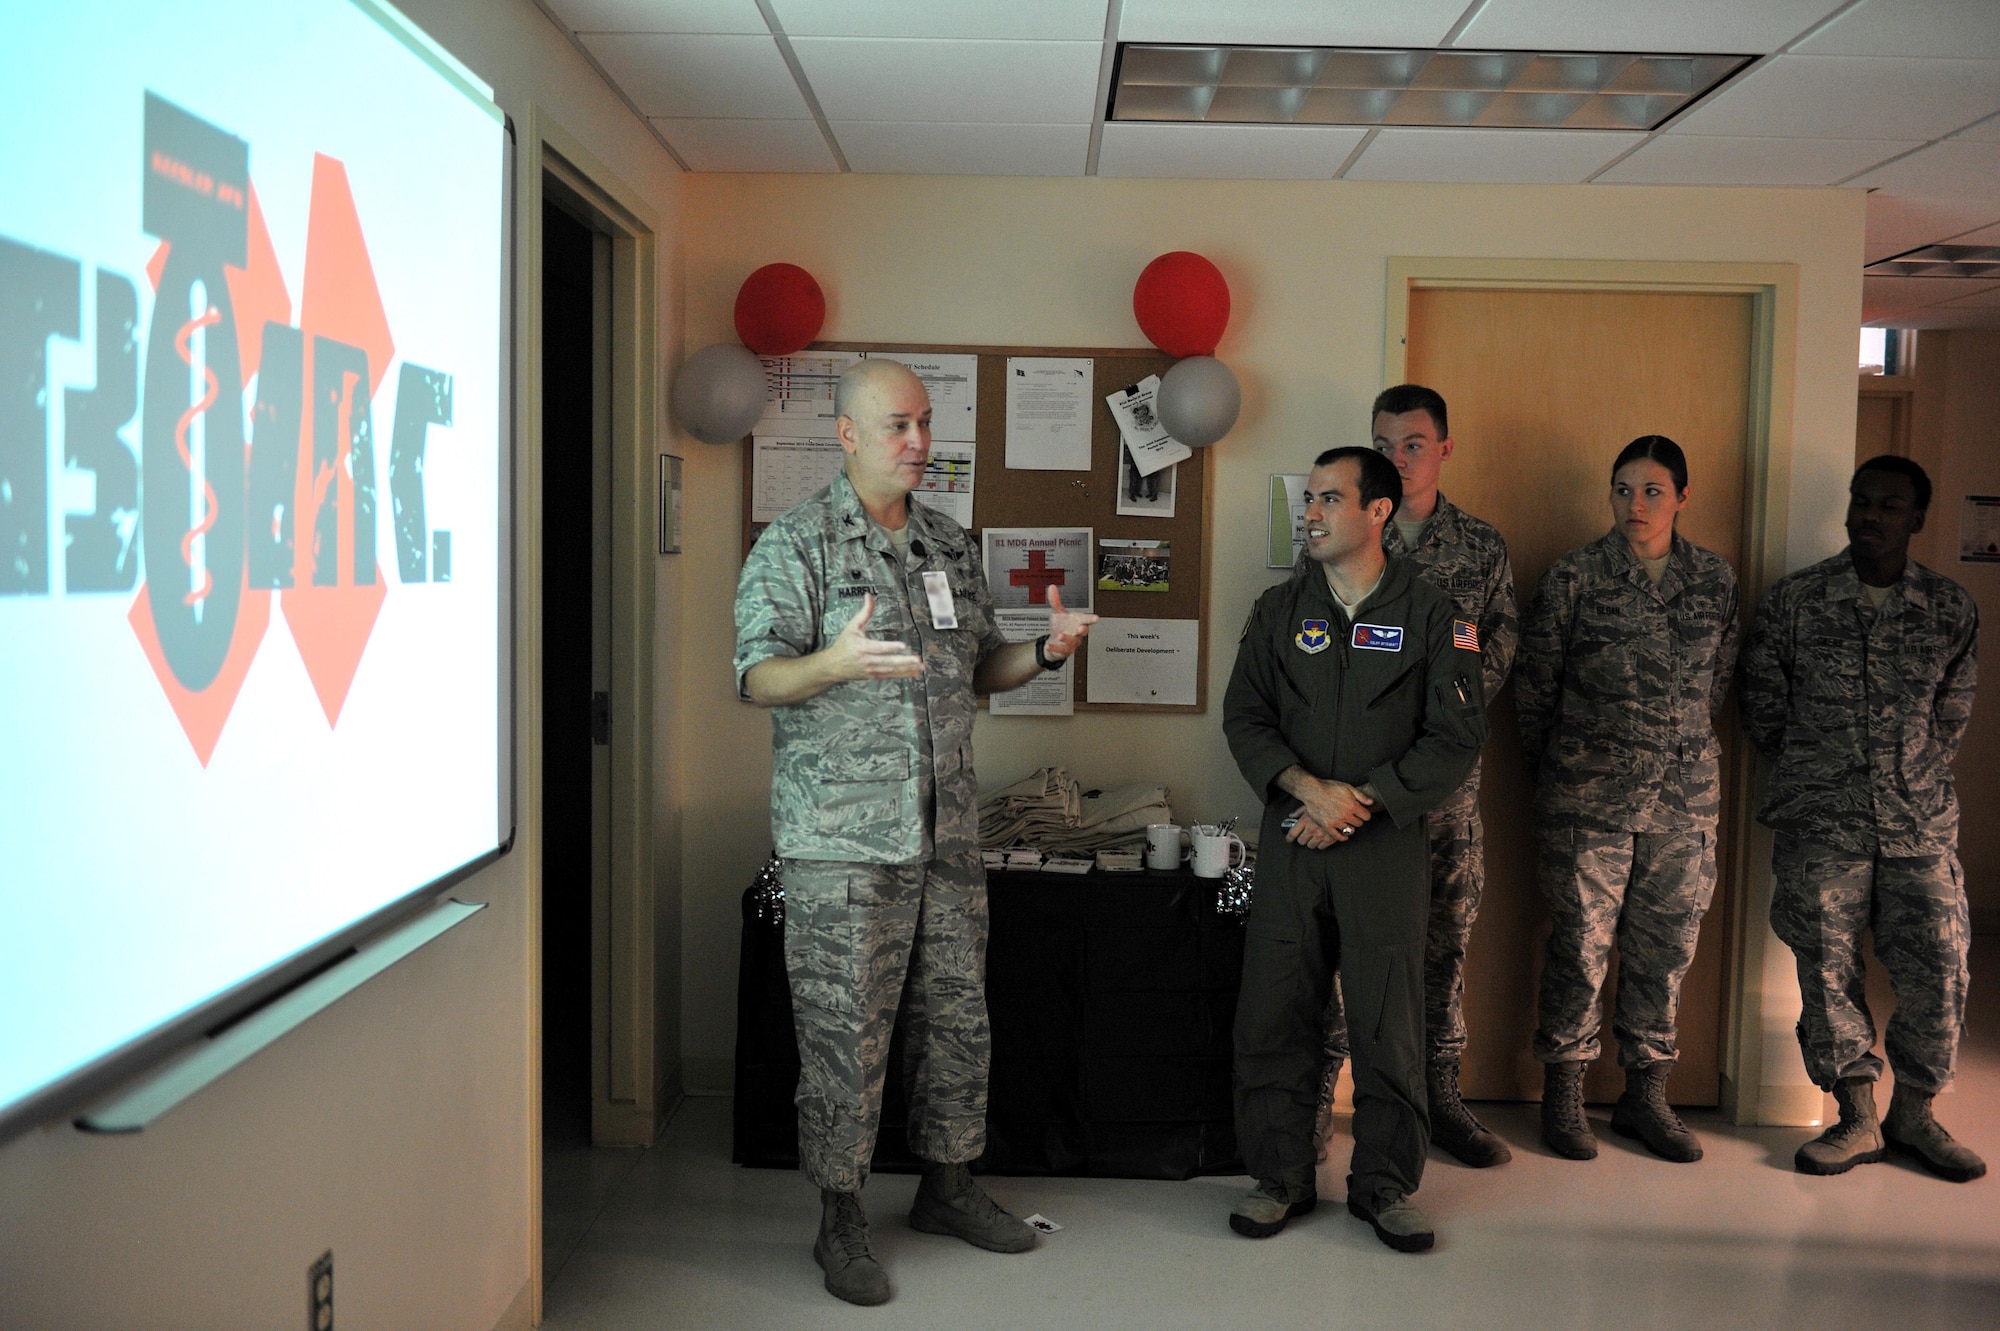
1466	559
874	812
1355	708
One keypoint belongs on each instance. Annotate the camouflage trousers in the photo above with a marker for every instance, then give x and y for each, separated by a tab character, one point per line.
858	938
1645	892
1823	899
1458	873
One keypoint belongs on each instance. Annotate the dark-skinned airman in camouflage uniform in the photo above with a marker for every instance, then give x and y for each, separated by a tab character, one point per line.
874	814
1857	683
1617	687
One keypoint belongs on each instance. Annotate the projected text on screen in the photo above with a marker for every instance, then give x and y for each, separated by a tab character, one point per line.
251	489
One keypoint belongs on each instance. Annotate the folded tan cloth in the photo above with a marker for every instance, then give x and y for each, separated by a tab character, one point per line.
1049	811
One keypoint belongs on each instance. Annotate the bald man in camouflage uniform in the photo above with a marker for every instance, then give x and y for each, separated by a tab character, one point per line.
1466	559
1617	686
1857	683
863	621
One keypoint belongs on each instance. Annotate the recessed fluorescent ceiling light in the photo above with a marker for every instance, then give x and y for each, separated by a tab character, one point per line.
1941	261
1331	85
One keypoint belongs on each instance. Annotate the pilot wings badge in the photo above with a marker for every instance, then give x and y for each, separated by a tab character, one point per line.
1312	637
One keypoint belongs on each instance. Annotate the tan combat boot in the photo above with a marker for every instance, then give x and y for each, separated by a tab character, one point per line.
1565	1127
1855	1138
1643	1112
1909	1128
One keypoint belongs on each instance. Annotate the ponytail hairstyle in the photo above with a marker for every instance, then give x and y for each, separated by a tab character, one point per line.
1657	448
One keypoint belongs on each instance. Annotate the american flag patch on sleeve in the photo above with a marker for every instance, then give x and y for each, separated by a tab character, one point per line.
1464	635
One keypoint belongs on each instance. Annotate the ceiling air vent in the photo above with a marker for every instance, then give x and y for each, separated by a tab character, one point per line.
1336	85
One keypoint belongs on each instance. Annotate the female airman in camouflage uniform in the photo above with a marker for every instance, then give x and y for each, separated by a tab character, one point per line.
1626	653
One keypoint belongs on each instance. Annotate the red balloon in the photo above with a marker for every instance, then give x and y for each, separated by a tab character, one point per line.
1182	304
779	309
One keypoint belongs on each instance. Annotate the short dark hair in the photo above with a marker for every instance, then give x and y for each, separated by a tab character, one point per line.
1379	478
1895	466
1656	448
1412	397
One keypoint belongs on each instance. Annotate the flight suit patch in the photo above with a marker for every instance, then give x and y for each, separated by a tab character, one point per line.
1312	637
1378	637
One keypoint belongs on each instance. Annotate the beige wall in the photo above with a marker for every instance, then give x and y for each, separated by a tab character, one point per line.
1052	262
1955	433
396	1128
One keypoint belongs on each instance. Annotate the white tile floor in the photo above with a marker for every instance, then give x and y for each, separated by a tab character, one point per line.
683	1238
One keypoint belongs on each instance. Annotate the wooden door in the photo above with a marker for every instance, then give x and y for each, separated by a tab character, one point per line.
1544	389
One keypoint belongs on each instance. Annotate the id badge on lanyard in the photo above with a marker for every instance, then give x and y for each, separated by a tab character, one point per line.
944	613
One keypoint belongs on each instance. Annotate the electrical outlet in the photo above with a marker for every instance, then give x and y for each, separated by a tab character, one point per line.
319	1293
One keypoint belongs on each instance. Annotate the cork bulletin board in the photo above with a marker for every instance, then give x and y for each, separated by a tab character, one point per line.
1010	498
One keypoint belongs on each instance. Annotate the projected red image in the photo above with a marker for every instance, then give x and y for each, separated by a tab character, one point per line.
309	454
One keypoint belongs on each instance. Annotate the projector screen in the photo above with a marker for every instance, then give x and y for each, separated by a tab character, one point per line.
254	577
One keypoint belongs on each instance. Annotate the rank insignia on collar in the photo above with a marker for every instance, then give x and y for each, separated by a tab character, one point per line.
1312	637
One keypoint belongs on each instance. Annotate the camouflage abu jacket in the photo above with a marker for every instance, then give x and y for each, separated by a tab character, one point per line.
1862	711
853	770
1466	559
1618	685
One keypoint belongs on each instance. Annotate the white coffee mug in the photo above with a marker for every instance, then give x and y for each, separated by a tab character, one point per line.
1216	852
1163	846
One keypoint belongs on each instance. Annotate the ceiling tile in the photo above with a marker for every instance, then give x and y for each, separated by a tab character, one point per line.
1989	235
1896	225
1939	28
1290	22
1644	25
1937	316
1960	170
1850	97
1226	152
1986	131
749	145
1489	156
1977	296
711	16
1044	20
959	82
1691	159
1913	293
929	148
689	77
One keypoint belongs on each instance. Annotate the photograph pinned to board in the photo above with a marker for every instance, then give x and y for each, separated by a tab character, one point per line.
1133	566
1146	661
947	484
1144	496
1286	540
1048	412
1136	409
1024	564
1979	530
1051	693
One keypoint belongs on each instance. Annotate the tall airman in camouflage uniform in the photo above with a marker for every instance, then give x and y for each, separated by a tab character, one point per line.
1354	708
1626	654
1857	683
874	812
1466	559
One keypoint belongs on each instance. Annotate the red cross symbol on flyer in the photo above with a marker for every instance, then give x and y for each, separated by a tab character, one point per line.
1037	577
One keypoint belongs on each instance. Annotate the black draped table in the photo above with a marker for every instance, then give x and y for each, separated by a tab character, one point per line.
1111	998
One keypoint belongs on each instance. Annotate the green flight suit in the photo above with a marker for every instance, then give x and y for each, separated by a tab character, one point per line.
1393	701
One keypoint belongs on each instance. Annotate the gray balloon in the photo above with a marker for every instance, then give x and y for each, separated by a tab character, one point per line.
1199	400
719	393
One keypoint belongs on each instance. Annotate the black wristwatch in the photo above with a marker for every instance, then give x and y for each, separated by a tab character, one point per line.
1041	657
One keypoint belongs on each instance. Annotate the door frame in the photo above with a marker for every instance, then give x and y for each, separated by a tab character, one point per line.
1762	1075
633	1088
